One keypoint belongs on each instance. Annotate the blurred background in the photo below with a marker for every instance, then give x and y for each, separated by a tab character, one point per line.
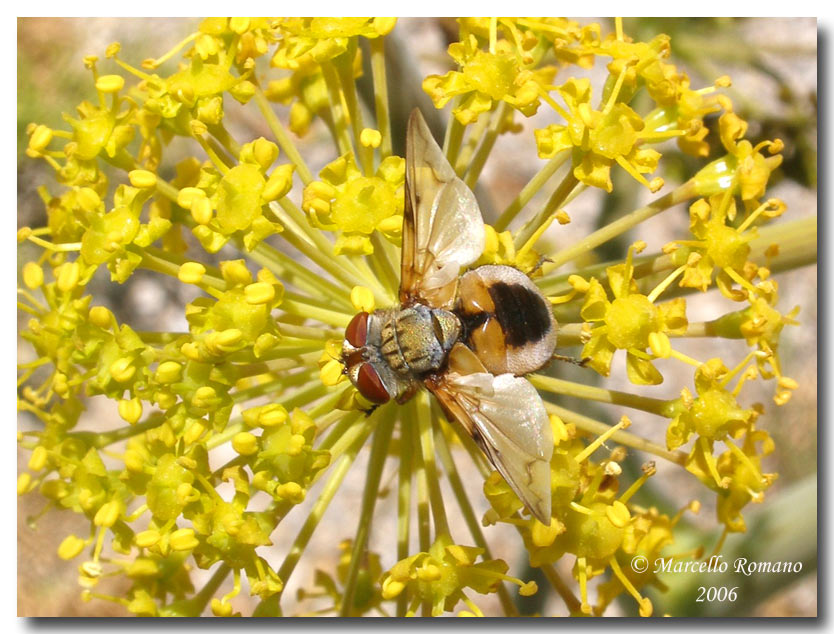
773	65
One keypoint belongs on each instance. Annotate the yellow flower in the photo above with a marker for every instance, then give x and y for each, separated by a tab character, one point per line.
486	78
598	138
225	425
714	413
744	170
631	322
723	247
356	205
441	575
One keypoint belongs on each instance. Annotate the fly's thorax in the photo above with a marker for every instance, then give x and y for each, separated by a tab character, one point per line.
401	346
415	340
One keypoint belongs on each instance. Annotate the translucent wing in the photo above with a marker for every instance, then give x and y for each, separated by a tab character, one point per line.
506	417
442	225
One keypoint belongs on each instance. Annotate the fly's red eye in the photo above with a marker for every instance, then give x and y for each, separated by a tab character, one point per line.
356	332
370	385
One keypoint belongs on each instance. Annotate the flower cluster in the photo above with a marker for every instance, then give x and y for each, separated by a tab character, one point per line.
226	427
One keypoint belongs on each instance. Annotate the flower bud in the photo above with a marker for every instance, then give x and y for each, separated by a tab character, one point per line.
391	588
71	547
264	152
201	211
37	460
296	444
259	293
300	118
245	444
147	538
122	369
187	195
239	25
191	273
543	535
100	316
168	372
134	461
184	539
110	83
291	491
528	589
384	26
235	272
220	608
142	567
332	373
618	514
205	397
41	137
370	138
67	276
279	183
142	179
130	410
23	482
108	514
272	415
32	275
392	228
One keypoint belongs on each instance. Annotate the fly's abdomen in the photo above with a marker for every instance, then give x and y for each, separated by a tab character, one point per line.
508	323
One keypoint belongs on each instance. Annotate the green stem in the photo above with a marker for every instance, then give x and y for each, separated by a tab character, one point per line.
468	512
383	116
376	462
530	190
201	599
454	136
570	335
332	485
168	263
384	264
656	406
557	583
344	68
611	231
425	425
100	440
622	437
340	128
467	149
346	422
221	134
290	271
160	338
404	505
281	137
482	154
273	386
423	520
319	250
301	307
643	266
305	332
556	200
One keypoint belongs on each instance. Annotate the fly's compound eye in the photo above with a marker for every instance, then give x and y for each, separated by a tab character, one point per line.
356	332
370	385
